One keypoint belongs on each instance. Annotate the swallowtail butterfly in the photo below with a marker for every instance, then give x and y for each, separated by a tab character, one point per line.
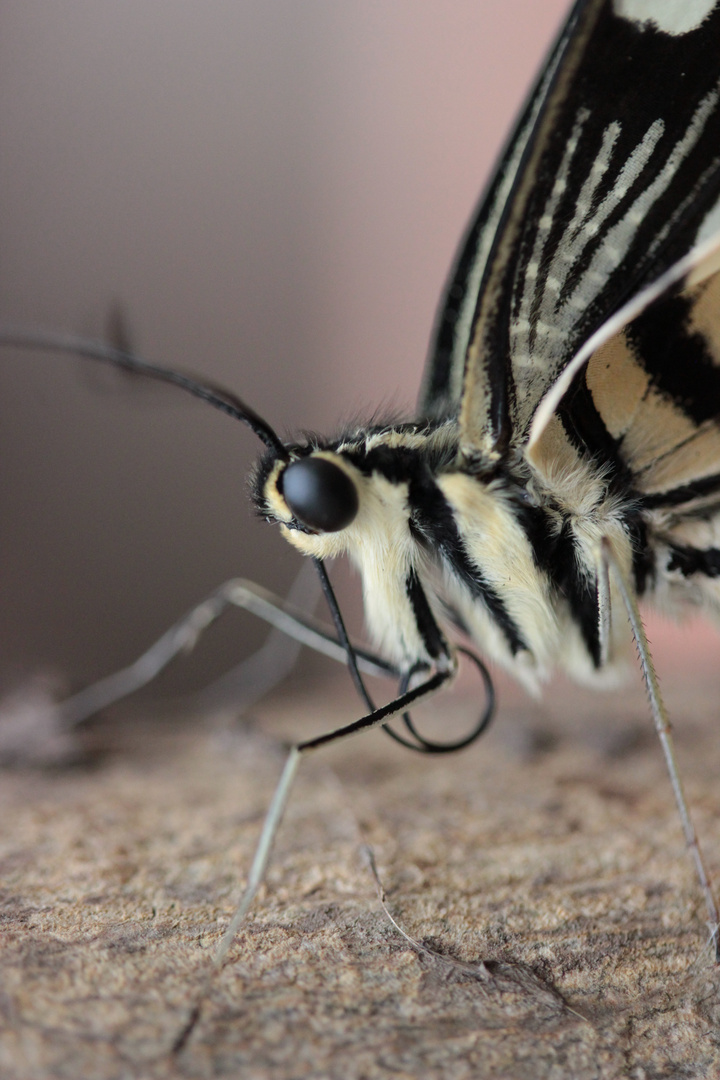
565	458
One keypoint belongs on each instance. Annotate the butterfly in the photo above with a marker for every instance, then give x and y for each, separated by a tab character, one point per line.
564	461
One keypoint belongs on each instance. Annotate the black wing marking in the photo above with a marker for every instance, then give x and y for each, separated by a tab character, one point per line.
618	176
646	402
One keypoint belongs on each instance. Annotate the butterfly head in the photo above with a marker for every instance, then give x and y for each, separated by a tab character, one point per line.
315	495
360	496
319	492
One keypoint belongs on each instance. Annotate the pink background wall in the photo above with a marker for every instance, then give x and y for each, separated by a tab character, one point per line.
273	190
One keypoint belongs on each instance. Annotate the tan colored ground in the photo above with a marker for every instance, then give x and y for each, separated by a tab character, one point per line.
551	850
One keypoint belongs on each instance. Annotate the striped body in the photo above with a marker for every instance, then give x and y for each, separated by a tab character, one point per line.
572	396
511	560
495	556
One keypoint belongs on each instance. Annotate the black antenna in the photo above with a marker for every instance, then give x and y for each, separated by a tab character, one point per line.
217	396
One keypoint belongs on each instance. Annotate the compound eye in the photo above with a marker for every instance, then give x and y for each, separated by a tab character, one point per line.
320	494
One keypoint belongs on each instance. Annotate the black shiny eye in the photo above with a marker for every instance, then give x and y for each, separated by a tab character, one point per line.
320	494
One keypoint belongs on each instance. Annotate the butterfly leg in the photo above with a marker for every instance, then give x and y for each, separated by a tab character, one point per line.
276	810
664	730
184	635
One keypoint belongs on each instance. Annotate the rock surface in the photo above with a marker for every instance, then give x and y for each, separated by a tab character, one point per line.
548	858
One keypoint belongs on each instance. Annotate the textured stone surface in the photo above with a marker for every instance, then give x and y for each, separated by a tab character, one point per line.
551	851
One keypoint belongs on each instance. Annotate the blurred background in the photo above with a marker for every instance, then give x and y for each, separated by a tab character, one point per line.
271	191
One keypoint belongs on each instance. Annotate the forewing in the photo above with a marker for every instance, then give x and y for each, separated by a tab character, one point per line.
444	375
612	179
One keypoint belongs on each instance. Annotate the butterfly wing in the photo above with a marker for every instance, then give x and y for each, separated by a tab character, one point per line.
444	375
644	401
611	178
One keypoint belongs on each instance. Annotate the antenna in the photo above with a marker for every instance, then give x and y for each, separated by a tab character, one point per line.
217	396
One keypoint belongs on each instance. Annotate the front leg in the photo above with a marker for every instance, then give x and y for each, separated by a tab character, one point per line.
276	810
